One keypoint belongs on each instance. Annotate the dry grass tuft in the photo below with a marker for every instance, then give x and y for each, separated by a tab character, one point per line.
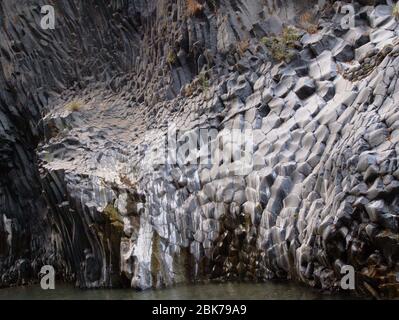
395	11
194	7
74	106
312	29
309	22
242	46
305	18
189	90
126	181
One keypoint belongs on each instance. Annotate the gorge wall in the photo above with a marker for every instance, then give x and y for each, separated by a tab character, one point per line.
92	112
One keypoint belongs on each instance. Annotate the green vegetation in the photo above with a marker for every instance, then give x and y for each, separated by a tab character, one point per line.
113	216
281	47
203	81
156	257
395	11
290	35
200	83
171	57
74	106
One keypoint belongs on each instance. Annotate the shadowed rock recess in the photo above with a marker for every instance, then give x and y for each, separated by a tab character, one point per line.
84	106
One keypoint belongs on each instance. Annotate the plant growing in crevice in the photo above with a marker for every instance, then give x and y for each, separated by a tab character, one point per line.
171	58
242	46
156	257
189	90
281	47
74	106
203	81
309	22
395	11
112	213
290	36
194	7
126	180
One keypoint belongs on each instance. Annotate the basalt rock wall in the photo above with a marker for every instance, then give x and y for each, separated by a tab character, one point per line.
89	112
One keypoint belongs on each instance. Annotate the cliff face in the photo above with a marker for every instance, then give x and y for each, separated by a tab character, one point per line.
89	110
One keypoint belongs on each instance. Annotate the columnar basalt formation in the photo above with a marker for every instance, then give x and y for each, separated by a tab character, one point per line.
86	108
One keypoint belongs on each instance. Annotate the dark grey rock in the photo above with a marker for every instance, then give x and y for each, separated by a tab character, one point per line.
344	52
305	87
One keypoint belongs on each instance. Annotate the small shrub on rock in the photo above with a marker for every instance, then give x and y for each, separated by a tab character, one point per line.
242	46
203	81
74	106
309	22
395	11
281	47
194	7
171	57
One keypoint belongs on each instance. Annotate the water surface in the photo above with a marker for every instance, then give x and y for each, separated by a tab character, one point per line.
212	291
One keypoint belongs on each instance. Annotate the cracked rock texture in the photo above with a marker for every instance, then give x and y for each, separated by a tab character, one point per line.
85	107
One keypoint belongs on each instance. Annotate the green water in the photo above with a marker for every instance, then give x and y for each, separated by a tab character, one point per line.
234	291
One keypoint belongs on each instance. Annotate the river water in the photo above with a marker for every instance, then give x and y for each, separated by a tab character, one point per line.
233	291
